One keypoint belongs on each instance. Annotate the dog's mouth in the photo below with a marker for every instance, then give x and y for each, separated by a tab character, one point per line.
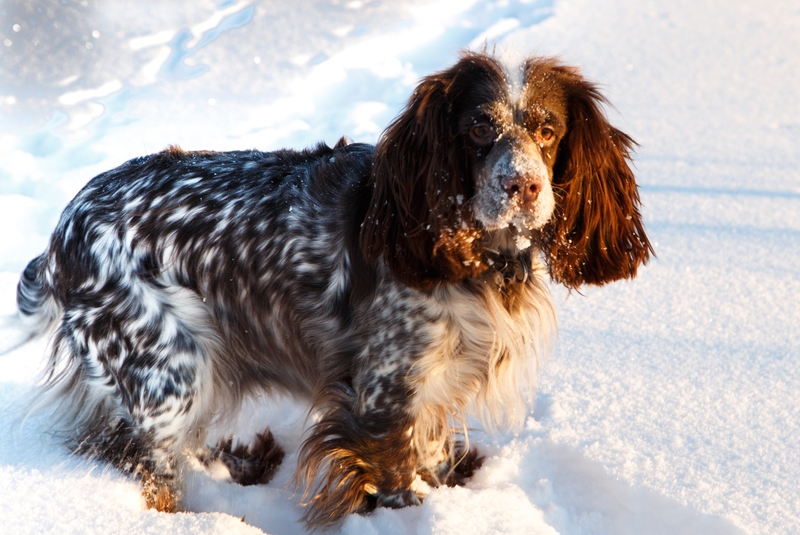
511	239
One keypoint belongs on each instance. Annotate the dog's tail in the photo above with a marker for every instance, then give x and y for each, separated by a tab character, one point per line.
37	308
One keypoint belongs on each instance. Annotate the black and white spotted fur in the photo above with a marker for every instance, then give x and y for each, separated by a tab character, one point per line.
396	287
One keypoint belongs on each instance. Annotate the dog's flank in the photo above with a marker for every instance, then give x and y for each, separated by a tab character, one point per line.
397	287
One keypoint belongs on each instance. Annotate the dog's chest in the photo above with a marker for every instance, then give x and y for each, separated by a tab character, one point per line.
478	341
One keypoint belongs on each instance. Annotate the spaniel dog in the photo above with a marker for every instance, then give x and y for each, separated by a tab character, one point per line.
397	287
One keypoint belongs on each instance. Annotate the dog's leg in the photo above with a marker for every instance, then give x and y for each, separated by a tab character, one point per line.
253	464
458	465
353	461
144	373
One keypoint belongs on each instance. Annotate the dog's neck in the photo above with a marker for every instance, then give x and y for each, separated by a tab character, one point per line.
507	275
508	269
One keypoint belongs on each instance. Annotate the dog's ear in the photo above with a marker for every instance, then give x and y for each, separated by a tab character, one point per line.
418	220
596	234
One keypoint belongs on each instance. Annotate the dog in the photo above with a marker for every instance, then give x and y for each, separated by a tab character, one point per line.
398	287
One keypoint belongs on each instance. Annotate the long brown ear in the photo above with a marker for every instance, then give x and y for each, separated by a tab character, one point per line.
597	234
419	174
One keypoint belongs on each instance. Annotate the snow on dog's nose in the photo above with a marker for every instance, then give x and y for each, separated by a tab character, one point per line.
514	186
527	188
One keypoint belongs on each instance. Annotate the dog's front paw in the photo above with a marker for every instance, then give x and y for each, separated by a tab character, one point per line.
454	471
395	498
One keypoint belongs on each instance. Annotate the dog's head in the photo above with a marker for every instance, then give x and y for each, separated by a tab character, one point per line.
488	159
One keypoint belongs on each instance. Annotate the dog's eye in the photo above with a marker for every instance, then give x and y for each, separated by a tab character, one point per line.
547	133
482	133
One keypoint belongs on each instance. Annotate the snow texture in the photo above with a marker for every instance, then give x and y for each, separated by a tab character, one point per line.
671	404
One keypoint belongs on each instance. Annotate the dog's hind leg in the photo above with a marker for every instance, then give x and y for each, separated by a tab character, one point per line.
133	370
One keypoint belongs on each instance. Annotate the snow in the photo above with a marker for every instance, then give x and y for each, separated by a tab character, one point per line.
670	403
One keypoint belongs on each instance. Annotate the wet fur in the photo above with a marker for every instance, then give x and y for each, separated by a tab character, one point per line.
399	287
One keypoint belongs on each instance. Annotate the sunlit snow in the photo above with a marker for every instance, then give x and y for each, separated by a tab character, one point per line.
670	404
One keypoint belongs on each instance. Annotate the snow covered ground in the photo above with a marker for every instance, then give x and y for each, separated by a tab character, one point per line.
670	405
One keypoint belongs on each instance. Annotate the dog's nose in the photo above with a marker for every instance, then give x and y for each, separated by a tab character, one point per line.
526	188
